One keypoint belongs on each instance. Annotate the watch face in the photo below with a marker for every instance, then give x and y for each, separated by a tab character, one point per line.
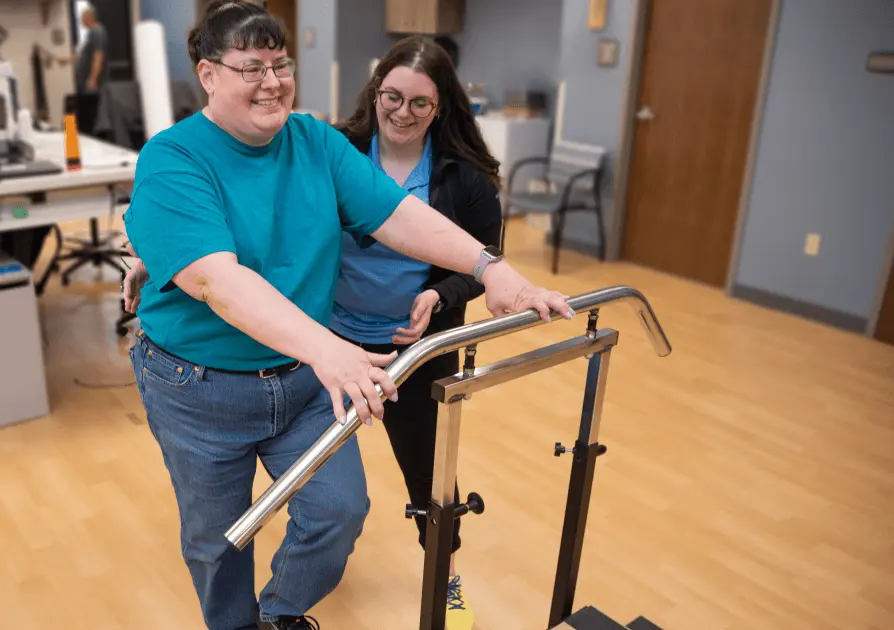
493	250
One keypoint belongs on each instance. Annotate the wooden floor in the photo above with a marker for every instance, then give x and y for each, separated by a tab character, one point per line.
748	484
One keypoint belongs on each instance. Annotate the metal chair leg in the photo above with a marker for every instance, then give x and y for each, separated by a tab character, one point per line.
557	238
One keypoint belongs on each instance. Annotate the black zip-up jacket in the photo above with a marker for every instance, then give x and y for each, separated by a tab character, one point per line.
466	196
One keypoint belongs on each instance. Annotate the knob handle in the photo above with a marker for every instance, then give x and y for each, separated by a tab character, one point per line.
474	504
411	512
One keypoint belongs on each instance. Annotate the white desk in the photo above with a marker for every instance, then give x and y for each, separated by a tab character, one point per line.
102	164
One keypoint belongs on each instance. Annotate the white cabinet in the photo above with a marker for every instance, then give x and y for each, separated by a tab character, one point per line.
23	386
510	139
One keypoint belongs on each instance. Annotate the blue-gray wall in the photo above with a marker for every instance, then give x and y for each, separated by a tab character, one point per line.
177	18
315	63
361	38
504	44
825	161
511	45
594	100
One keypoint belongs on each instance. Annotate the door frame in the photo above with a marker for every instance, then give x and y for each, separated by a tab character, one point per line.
628	132
886	275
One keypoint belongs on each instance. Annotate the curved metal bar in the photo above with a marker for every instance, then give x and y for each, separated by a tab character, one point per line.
284	488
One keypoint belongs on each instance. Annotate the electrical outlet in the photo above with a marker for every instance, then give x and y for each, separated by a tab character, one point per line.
812	244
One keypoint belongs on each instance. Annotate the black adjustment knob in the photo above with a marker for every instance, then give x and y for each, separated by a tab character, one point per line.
600	450
410	511
474	504
561	450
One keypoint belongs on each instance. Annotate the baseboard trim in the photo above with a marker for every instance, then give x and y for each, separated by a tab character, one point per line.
838	319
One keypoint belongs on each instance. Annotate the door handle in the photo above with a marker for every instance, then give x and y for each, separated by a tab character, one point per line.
645	114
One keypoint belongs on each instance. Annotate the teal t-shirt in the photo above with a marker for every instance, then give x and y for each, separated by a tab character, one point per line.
280	208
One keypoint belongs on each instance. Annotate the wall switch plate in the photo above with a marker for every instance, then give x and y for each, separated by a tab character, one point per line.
310	37
812	244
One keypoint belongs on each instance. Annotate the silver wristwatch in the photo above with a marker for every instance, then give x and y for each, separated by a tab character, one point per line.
489	254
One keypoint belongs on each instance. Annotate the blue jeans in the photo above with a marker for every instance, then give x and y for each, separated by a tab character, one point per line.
211	427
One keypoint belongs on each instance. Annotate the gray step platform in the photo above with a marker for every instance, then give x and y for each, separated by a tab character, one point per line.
591	619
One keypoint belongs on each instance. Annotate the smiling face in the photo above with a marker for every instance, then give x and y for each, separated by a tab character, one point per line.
406	105
252	111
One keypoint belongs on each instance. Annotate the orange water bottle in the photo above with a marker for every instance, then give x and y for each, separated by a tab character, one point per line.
72	145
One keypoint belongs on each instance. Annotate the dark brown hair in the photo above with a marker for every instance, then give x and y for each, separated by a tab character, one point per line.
454	132
238	24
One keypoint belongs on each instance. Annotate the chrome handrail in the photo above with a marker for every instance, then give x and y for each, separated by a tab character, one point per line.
284	488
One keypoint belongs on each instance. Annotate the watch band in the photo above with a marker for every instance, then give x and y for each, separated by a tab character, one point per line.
488	255
480	266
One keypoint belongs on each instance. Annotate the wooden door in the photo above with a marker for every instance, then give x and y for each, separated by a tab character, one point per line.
884	330
696	102
287	11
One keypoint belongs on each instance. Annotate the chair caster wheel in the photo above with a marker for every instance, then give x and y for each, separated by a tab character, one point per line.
122	331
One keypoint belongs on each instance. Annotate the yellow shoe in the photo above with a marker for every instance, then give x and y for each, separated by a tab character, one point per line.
459	615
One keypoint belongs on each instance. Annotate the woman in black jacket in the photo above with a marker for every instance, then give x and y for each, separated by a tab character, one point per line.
415	122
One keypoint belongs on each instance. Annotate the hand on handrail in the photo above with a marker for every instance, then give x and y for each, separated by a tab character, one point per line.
507	291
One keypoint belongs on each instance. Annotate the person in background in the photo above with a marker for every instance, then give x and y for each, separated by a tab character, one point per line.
91	61
414	121
237	216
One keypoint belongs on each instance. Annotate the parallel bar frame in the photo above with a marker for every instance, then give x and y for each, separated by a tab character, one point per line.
298	474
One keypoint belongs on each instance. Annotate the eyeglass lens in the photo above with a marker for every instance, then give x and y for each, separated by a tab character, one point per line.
256	72
420	107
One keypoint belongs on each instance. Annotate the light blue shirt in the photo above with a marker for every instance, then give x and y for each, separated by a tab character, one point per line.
377	285
281	208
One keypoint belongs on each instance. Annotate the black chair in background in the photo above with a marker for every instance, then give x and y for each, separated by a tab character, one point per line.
572	183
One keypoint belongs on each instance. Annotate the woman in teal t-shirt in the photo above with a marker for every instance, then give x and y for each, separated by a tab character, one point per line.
237	214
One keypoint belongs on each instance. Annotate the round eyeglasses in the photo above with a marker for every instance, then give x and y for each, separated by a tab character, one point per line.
420	107
254	72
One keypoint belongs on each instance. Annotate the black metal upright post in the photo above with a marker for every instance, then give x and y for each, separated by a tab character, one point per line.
442	511
436	574
586	450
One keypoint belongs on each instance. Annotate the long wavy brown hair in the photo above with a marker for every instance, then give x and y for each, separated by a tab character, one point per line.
454	132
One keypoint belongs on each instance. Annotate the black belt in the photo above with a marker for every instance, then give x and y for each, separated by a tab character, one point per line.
264	373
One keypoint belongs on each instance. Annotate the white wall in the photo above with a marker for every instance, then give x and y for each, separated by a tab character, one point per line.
23	21
316	61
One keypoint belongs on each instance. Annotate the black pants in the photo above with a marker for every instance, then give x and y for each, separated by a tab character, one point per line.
411	424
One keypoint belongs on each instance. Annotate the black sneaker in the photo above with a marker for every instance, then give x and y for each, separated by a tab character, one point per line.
295	623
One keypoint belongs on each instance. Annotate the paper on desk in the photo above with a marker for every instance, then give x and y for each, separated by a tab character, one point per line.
105	157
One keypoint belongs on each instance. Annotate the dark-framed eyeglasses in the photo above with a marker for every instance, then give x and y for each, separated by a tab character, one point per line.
254	72
420	107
